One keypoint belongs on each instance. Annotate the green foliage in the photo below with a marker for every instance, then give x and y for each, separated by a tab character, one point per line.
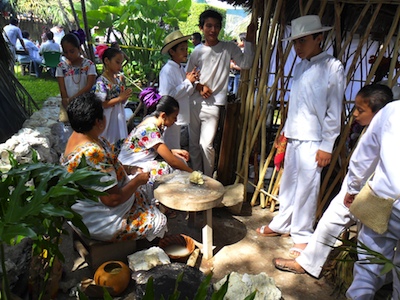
192	24
141	26
35	201
40	89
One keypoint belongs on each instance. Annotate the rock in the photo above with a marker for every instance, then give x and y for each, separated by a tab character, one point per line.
147	259
165	276
240	286
233	198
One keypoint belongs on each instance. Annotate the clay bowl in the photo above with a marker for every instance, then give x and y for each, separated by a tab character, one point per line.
178	247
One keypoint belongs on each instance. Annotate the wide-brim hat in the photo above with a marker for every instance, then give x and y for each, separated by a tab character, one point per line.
172	39
306	25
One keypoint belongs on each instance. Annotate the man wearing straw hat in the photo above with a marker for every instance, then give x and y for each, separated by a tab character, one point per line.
312	125
213	60
175	82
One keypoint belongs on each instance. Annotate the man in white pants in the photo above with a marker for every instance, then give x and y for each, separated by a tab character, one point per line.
369	100
212	60
377	151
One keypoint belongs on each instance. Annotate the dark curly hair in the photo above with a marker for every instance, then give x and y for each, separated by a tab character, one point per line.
83	112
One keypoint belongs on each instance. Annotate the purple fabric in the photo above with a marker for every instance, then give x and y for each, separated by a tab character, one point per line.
149	96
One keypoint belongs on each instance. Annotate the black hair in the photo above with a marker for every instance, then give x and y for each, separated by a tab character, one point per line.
114	45
14	21
25	34
83	112
166	104
72	39
196	36
209	13
242	36
110	53
50	35
376	96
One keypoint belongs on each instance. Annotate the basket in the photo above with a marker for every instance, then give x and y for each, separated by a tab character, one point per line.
177	247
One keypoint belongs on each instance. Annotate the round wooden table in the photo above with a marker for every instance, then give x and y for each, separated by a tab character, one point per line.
177	192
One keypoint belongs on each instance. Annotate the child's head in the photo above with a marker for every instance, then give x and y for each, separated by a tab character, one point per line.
112	59
369	100
71	47
168	109
179	52
210	23
307	35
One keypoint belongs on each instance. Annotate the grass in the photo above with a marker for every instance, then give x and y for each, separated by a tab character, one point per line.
39	88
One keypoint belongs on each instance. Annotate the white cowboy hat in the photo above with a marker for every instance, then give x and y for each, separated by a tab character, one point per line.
172	39
304	26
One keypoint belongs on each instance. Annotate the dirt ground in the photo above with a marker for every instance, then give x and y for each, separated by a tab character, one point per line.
238	248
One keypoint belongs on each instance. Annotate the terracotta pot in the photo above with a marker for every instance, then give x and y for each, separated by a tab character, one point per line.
114	274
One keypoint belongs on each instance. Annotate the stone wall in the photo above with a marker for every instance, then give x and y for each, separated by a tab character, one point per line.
41	132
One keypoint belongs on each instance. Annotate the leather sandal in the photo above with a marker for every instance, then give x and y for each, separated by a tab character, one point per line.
288	265
267	232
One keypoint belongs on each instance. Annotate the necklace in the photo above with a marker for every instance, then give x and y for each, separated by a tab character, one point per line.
111	79
73	73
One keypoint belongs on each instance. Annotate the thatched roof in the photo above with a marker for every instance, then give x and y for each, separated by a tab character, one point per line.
351	9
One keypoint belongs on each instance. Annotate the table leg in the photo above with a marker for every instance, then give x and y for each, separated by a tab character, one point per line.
207	236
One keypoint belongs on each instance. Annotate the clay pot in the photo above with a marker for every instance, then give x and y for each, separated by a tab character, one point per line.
177	247
114	274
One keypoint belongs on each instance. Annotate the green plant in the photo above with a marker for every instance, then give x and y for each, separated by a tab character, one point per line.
40	89
35	201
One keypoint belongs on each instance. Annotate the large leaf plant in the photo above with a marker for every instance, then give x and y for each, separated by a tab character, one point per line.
35	201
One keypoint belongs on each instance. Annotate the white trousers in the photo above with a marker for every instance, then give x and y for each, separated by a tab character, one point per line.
367	278
172	136
202	129
335	219
298	191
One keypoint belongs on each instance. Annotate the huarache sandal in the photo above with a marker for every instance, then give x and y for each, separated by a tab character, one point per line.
267	232
295	252
288	265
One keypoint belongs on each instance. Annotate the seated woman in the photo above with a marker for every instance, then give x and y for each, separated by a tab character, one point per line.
123	213
145	142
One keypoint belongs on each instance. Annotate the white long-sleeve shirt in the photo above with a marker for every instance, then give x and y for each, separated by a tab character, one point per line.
378	150
214	65
173	83
316	98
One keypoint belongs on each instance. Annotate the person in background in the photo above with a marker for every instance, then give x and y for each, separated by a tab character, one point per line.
175	82
112	91
210	96
196	39
58	32
369	100
43	36
234	76
50	44
122	212
312	126
33	54
11	34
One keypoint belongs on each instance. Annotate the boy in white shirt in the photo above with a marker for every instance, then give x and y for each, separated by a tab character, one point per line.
175	82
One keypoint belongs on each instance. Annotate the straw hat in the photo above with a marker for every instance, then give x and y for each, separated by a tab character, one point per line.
173	39
304	26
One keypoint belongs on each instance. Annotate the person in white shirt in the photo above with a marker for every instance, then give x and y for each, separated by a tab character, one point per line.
58	32
213	60
33	55
377	151
49	45
196	39
11	34
175	82
312	126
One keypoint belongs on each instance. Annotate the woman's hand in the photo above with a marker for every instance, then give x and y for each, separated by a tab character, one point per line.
142	178
181	154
